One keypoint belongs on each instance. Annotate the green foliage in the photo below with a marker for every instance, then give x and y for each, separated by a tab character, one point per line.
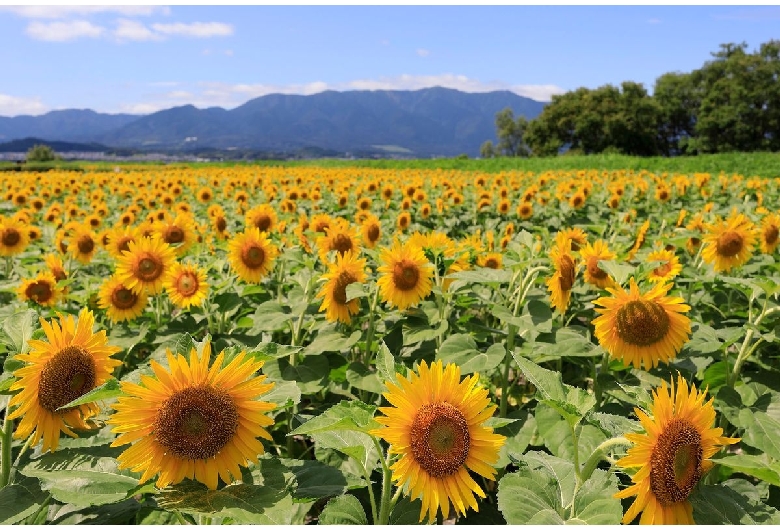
41	153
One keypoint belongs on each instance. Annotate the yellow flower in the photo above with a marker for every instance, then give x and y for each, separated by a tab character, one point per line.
120	302
14	237
436	424
251	254
672	456
69	363
770	229
491	260
179	232
729	243
143	266
591	255
371	230
347	269
405	276
193	421
339	237
562	280
42	289
667	270
262	217
642	328
186	285
83	244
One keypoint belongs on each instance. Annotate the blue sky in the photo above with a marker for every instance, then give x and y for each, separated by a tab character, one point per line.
141	59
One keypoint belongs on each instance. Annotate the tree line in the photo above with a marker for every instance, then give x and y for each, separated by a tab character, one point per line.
731	103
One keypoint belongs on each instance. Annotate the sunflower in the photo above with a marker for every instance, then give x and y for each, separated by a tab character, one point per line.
14	237
320	222
69	363
42	289
251	254
120	302
673	454
143	266
347	269
525	210
729	243
642	328
436	424
83	244
578	237
186	285
668	270
180	232
56	267
339	237
403	220
119	239
193	421
371	230
640	239
262	217
770	229
491	260
405	276
591	255
562	280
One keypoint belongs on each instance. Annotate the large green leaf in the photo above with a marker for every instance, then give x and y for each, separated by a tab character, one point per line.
345	415
310	374
332	340
345	509
109	389
359	376
732	502
755	466
21	500
385	363
461	349
571	402
357	445
82	477
571	341
558	437
18	329
270	316
541	491
406	512
518	436
315	480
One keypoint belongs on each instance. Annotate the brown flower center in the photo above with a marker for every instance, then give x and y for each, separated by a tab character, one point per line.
11	237
187	284
675	464
642	322
492	263
123	298
594	270
68	375
262	222
221	224
340	287
729	244
373	233
196	422
39	291
85	244
341	243
173	234
253	256
123	243
406	275
440	439
664	269
149	267
566	268
770	234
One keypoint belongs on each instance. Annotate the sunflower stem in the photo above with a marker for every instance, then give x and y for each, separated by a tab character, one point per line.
180	517
746	350
598	453
371	322
510	347
387	486
5	450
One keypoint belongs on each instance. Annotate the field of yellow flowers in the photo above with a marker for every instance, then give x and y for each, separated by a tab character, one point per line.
347	345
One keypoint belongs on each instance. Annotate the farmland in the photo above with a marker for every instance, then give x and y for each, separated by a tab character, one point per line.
392	342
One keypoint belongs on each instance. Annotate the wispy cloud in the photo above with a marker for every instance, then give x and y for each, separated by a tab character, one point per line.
132	30
64	31
65	11
654	21
15	106
422	52
198	30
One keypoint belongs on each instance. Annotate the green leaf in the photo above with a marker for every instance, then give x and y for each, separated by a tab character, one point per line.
284	394
82	477
417	329
571	341
356	290
270	350
346	415
732	502
270	316
359	376
109	389
761	431
483	276
620	272
126	337
519	434
310	374
613	425
354	444
21	500
345	509
542	492
461	349
332	340
19	329
385	363
406	512
753	465
571	402
558	437
315	480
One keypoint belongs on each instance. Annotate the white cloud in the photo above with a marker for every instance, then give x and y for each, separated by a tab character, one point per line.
180	94
654	21
65	11
14	106
196	29
132	30
537	92
422	52
229	53
63	31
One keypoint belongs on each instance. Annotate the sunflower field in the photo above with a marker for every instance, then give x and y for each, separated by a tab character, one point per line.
354	345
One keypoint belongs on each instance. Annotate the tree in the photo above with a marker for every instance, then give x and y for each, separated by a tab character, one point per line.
679	98
41	153
486	150
511	133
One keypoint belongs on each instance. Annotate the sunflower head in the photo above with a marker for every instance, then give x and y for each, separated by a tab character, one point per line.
669	268
347	269
42	289
143	266
405	275
14	237
436	424
120	302
729	243
193	420
251	254
71	361
673	454
186	285
642	329
591	254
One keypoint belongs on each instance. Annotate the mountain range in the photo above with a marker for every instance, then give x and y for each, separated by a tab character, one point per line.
419	123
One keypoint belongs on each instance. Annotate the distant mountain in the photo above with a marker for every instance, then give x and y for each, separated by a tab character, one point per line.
427	122
67	125
24	145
